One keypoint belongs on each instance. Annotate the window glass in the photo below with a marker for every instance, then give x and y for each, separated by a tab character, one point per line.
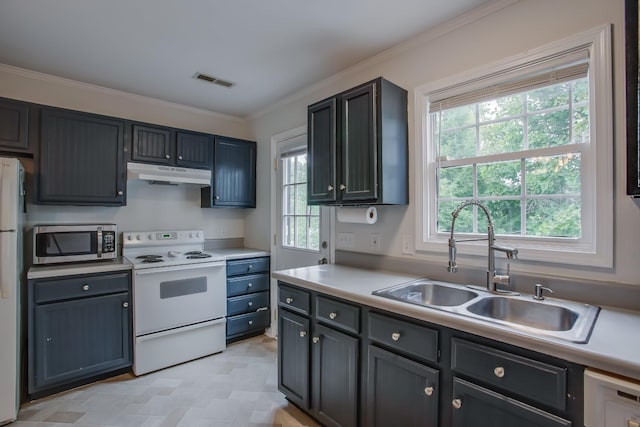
300	222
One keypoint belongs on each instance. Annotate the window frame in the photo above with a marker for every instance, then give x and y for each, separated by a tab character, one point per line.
595	248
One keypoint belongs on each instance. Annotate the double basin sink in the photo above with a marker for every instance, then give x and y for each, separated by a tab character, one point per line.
555	318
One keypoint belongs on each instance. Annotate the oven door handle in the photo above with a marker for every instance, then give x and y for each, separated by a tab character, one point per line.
180	267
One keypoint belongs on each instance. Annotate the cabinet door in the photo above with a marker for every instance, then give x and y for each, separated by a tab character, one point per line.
193	149
79	338
81	159
321	152
400	391
358	147
152	144
14	125
234	171
293	357
335	377
478	406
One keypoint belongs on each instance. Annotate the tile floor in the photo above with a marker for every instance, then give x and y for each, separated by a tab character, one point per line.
237	387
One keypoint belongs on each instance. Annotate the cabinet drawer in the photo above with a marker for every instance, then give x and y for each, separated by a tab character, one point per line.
244	284
339	314
294	299
80	287
415	340
525	377
245	266
247	303
247	322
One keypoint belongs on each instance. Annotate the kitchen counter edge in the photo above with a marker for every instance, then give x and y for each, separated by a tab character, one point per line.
59	270
613	345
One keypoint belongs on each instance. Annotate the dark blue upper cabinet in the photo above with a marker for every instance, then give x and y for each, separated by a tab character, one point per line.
358	147
14	126
80	160
233	175
168	146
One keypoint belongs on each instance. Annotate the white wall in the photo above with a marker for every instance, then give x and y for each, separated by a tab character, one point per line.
148	206
500	30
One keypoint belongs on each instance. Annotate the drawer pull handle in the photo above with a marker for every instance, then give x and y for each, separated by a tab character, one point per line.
428	391
263	309
289	300
250	304
125	304
250	322
456	403
85	287
499	371
395	336
315	340
303	334
333	315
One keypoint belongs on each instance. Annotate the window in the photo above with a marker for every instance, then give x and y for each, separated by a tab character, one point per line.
526	138
301	223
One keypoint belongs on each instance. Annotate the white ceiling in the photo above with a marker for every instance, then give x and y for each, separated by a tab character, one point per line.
269	48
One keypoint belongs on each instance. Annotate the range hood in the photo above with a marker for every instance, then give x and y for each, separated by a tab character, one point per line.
158	174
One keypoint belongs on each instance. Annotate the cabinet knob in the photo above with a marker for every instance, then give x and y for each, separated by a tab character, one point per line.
395	336
330	188
179	157
428	391
499	372
303	334
250	267
250	285
85	287
125	304
120	193
166	156
456	403
289	300
250	322
217	197
250	304
315	340
333	315
342	186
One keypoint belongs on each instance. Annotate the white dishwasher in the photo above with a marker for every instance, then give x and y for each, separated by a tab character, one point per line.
610	401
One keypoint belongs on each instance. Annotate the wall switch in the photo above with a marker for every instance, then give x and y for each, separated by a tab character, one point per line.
407	245
345	240
376	242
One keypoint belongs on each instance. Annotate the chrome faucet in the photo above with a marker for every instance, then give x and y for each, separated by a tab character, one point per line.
492	278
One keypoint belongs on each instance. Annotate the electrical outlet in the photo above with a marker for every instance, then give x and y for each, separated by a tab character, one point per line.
345	240
376	242
407	246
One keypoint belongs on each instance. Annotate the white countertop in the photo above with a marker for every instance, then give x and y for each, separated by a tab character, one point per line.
238	253
614	345
72	269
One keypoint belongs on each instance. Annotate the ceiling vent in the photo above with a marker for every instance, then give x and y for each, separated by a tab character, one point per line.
214	80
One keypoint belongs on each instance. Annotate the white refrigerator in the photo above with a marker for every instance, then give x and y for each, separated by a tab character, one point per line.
11	269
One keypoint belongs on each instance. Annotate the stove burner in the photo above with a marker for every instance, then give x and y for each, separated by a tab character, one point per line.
148	259
194	253
198	256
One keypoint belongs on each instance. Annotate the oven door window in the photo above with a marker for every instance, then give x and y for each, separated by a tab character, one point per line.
179	288
66	243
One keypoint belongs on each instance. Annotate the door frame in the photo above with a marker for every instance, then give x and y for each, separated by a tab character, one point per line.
275	140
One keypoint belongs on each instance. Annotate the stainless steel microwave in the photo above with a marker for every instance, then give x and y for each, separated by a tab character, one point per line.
71	243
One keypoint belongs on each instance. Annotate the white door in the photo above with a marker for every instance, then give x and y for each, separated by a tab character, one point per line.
302	232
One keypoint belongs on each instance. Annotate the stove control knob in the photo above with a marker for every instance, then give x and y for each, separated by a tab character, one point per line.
129	237
198	235
191	235
150	236
138	237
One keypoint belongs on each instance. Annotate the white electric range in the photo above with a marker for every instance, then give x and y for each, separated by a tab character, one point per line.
179	297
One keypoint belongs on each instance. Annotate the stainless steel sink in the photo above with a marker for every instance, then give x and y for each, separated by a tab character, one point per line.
551	317
428	293
526	313
557	318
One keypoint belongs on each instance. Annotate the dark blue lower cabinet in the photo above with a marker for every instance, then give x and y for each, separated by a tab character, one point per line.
480	407
294	357
400	391
335	377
